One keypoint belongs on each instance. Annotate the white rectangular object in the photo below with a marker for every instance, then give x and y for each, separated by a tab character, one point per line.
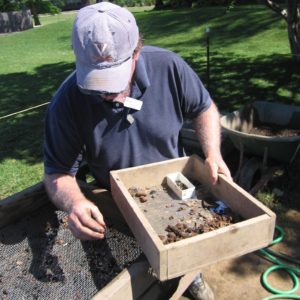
174	180
133	103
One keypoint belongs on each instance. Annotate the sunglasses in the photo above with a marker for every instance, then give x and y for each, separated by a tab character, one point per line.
98	93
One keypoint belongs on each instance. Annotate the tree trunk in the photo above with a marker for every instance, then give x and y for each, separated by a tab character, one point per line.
291	16
35	15
85	3
158	4
293	28
188	3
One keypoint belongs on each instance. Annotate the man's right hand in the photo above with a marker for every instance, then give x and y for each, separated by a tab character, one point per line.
85	221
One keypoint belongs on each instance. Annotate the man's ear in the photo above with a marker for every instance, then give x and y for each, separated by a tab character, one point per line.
136	55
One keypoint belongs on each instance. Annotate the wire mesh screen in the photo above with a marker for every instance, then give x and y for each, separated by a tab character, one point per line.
40	258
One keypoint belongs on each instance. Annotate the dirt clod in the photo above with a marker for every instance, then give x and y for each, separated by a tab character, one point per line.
60	242
141	193
143	199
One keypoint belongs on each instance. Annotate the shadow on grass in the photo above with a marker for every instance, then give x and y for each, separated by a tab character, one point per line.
23	90
235	80
22	135
240	24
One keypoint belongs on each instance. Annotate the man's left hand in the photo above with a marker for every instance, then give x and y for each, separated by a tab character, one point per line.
217	165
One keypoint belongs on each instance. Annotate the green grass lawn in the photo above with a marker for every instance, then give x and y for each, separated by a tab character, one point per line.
249	55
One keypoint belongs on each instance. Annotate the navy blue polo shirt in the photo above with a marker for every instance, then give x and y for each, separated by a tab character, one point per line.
84	126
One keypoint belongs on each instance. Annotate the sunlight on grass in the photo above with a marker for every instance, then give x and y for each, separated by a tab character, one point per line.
15	176
263	83
284	92
269	199
62	17
25	51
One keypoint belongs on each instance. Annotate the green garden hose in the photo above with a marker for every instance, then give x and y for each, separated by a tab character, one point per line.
293	272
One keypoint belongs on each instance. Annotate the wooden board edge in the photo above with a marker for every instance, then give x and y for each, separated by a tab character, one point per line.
251	198
230	229
26	201
227	191
150	165
153	172
181	252
130	284
10	200
148	239
120	188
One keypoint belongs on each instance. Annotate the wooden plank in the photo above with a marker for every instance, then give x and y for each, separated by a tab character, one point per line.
153	173
141	228
130	284
19	204
224	243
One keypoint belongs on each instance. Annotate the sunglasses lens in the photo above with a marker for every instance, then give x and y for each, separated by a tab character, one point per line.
97	93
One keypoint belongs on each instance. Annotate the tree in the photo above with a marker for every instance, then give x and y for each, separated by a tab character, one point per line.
291	15
158	4
36	7
86	2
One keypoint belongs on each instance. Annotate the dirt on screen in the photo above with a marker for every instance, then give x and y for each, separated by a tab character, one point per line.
174	219
41	259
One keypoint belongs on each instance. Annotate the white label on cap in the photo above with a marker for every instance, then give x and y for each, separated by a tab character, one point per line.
133	103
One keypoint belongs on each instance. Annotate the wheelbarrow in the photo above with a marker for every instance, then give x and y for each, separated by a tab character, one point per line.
283	149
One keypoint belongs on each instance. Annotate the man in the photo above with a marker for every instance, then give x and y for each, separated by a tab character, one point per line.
124	106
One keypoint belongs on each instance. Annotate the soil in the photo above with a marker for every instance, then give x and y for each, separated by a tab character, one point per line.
181	185
274	130
174	219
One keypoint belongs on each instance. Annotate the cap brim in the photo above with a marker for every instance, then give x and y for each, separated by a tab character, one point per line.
111	80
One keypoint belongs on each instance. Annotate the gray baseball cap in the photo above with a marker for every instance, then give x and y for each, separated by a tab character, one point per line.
103	39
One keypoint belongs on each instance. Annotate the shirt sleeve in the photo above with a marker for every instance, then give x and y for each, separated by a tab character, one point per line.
62	144
194	96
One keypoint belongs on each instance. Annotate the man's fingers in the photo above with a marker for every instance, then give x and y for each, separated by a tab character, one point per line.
96	215
87	221
82	232
224	170
226	173
213	170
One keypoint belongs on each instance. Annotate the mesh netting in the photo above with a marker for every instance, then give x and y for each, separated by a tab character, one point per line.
40	258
